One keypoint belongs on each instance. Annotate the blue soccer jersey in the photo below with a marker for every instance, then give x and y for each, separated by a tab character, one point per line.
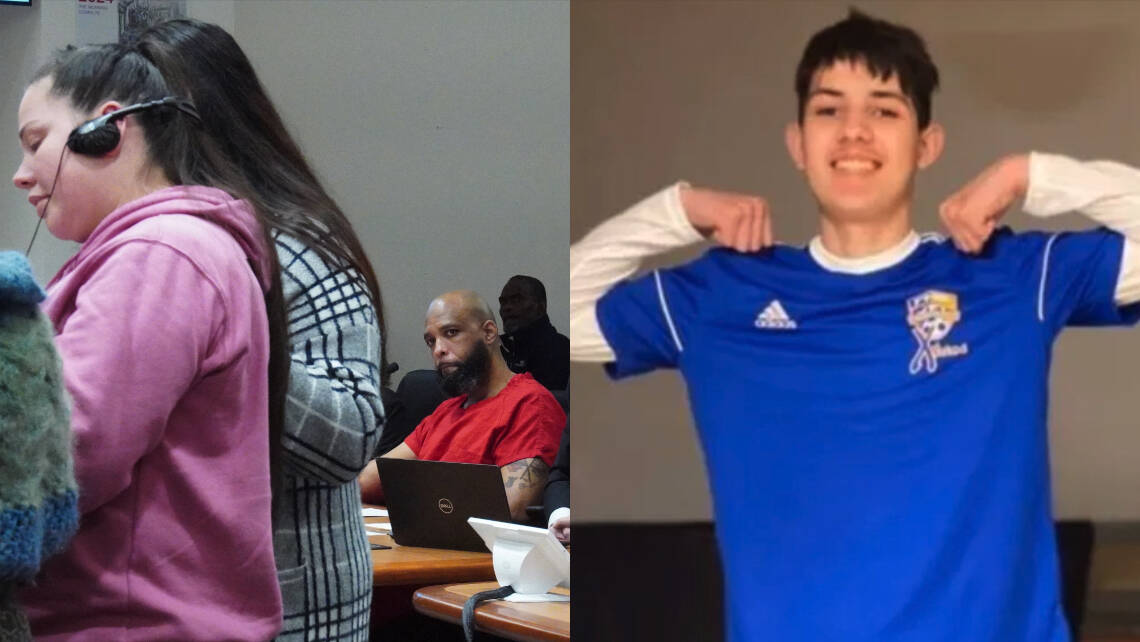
876	443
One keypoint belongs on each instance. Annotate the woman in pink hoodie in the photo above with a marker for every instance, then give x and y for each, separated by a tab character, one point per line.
162	327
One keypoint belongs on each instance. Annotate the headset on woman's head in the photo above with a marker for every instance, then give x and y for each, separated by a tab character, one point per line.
99	136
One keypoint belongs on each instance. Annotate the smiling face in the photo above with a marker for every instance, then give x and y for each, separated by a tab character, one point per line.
859	144
79	200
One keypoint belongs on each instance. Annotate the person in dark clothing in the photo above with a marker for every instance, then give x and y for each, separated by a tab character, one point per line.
531	344
556	497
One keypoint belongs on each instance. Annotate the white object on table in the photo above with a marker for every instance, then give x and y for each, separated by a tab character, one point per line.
536	597
527	558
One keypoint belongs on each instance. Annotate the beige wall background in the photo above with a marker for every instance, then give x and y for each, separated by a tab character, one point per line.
442	129
701	91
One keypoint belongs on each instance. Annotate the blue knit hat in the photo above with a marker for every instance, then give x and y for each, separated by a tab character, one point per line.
17	285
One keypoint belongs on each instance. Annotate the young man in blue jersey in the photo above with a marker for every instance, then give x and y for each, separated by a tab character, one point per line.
871	407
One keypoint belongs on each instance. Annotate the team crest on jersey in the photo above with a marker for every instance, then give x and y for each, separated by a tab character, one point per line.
931	315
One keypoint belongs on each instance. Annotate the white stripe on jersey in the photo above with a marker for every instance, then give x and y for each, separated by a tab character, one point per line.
665	310
1044	273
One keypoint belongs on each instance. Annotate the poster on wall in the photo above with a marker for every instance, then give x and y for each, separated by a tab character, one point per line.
101	21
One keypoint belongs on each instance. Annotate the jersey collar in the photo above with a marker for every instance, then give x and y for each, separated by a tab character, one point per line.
864	264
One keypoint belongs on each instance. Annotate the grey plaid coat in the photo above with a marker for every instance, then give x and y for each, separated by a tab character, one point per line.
333	420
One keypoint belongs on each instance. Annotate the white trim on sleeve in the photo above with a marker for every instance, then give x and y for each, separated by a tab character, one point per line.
612	252
1044	275
665	311
1105	191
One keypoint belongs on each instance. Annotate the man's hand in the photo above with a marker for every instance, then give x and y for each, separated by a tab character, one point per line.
738	221
972	213
371	492
561	529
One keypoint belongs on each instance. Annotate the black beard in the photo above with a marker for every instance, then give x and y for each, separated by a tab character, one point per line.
468	374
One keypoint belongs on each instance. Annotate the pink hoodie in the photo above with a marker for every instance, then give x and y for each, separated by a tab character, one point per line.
160	321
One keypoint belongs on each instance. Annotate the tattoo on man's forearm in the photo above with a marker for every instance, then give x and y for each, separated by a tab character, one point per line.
527	472
534	470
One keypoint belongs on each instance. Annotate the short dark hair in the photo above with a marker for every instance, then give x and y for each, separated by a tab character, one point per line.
885	48
537	289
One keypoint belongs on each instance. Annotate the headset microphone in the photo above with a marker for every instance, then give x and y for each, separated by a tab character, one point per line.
47	202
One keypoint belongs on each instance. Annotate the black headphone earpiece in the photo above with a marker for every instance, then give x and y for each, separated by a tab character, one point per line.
95	141
99	136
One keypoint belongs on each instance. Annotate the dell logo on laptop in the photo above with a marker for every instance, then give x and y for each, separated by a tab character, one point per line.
445	506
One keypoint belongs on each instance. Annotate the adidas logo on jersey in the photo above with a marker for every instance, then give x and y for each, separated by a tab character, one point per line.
775	318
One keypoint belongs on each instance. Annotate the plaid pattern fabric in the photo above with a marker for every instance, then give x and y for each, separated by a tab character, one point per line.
333	421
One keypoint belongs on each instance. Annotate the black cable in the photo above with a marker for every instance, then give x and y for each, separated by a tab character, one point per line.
468	617
54	182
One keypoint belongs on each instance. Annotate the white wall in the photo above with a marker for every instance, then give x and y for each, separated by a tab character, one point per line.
28	36
20	35
443	131
441	128
219	12
702	91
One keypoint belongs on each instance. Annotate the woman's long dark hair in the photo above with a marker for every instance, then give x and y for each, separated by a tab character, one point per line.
204	62
89	76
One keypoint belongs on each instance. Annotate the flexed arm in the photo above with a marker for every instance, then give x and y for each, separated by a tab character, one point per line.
673	218
1105	191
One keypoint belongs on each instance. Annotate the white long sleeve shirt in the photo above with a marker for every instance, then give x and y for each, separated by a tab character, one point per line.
1106	192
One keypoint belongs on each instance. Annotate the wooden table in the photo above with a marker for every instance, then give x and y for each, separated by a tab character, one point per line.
522	621
409	565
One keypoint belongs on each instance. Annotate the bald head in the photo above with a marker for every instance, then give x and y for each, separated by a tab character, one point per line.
461	333
461	304
459	325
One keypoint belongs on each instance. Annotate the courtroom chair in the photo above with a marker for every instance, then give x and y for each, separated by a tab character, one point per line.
1074	550
563	397
417	396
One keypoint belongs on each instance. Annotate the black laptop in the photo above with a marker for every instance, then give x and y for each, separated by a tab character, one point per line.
429	501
